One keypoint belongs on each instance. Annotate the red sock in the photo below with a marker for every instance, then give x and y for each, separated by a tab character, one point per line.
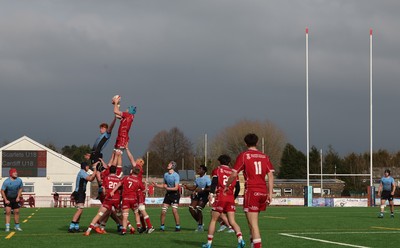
239	234
148	223
142	221
257	243
210	237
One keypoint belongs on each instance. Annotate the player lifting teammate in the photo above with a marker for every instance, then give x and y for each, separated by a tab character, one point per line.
143	222
111	200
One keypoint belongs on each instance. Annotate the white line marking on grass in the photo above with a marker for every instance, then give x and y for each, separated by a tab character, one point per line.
322	241
338	233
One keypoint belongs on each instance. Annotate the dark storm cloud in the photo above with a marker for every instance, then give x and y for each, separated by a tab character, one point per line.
201	66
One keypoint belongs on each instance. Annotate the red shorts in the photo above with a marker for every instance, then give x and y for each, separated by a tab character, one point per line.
110	203
130	203
223	206
121	142
254	201
102	196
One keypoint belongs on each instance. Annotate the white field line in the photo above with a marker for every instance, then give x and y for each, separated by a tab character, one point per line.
322	241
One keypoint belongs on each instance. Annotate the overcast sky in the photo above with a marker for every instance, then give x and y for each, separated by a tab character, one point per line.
201	66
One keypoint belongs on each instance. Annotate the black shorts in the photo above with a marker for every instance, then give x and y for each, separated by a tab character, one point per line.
386	195
79	197
94	157
172	198
200	197
13	204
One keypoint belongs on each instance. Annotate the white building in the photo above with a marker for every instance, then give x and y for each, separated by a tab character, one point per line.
42	170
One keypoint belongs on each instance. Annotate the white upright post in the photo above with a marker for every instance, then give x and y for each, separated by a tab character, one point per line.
263	144
307	115
322	184
370	105
147	173
205	149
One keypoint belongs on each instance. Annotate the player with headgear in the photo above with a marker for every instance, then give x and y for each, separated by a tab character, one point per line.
11	191
126	119
172	196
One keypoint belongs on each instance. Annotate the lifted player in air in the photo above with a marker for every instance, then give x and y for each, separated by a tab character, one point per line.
255	166
224	200
199	197
101	141
171	185
126	119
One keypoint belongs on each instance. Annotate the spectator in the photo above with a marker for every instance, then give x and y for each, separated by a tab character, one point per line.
56	198
31	201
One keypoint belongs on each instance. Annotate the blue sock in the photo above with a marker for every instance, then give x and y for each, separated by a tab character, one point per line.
7	225
72	225
76	225
17	225
178	227
162	227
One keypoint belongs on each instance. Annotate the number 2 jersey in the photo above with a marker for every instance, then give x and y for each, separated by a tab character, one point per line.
223	172
255	166
109	183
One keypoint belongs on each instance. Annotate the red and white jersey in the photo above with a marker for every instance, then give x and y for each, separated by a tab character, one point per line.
109	183
255	166
223	172
131	185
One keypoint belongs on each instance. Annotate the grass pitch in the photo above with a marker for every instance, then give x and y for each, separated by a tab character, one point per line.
280	227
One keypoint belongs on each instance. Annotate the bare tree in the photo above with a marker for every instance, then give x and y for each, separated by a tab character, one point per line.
167	146
230	140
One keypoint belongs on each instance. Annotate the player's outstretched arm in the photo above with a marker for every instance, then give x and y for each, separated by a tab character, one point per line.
116	107
110	128
130	156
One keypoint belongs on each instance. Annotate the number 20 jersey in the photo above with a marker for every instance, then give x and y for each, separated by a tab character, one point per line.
223	172
255	166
